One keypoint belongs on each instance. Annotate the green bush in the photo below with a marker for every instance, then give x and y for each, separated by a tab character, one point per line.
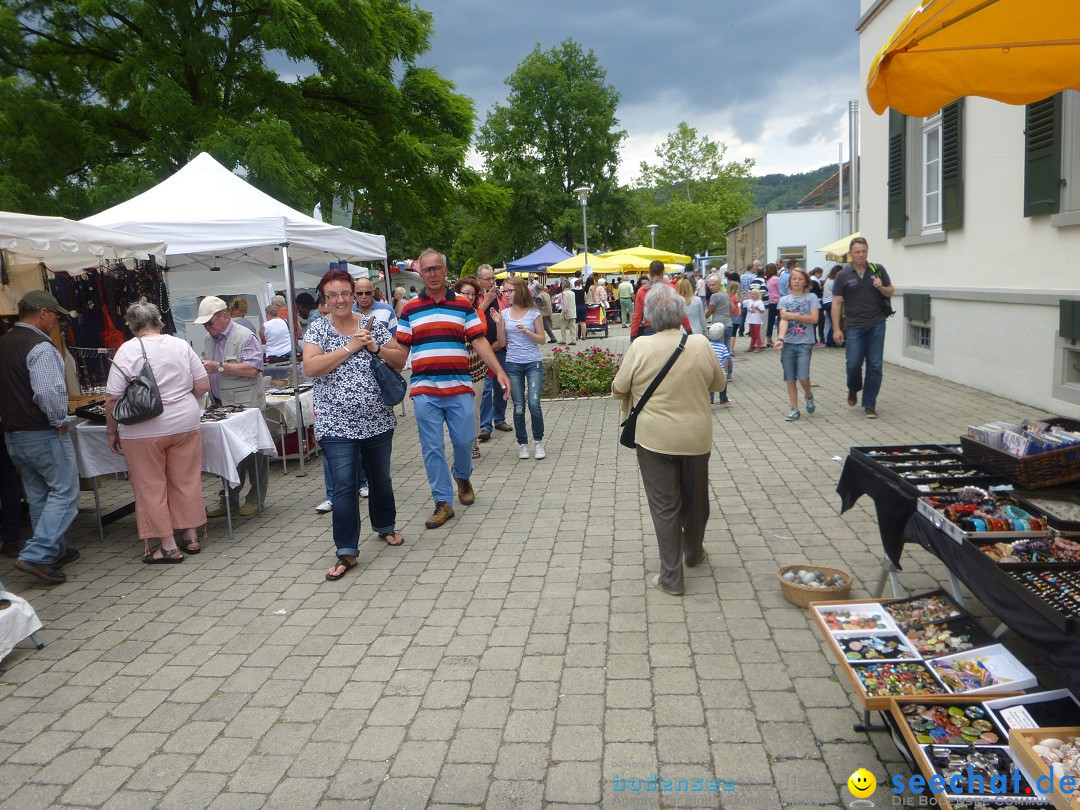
586	373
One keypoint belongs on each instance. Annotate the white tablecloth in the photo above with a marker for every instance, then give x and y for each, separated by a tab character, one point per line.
284	406
225	444
16	622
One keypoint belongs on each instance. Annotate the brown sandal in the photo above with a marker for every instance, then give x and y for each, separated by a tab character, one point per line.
343	563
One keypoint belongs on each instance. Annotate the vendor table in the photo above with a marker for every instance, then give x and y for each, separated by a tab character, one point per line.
900	523
281	415
225	445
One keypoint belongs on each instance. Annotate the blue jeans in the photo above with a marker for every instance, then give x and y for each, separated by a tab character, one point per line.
458	415
346	457
528	376
865	344
46	461
328	477
493	406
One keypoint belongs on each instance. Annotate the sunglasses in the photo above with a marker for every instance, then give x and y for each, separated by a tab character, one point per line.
364	292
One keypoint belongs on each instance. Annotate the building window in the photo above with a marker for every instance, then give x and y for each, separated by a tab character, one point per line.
919	336
931	175
796	253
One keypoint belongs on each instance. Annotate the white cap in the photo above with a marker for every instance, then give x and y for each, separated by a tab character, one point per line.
209	307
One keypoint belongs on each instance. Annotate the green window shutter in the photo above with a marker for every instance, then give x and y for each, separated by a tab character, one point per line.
1042	157
1069	319
952	165
897	174
917	307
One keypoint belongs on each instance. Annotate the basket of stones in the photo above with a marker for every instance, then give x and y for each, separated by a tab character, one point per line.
803	584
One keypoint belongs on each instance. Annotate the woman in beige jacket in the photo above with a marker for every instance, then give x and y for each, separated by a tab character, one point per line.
674	432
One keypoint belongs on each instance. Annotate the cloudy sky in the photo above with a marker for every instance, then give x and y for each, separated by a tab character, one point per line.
770	78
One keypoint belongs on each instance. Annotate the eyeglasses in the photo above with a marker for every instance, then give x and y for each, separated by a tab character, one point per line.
432	268
364	292
336	296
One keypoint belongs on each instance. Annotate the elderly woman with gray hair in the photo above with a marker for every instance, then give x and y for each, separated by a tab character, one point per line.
163	454
674	431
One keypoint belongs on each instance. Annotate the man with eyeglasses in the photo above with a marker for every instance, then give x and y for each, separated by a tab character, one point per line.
368	307
493	405
435	327
233	357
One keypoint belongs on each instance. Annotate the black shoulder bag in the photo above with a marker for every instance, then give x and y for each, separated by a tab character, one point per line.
141	400
884	304
628	434
392	386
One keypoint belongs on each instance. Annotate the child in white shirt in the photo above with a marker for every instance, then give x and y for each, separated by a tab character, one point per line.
755	311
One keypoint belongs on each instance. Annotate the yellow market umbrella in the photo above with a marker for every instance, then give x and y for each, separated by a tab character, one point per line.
838	251
652	253
1015	51
569	266
501	275
629	262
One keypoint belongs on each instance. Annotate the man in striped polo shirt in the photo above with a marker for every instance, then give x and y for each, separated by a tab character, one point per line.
435	326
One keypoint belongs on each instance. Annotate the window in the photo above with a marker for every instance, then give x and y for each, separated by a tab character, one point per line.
1052	158
796	253
919	337
925	174
931	175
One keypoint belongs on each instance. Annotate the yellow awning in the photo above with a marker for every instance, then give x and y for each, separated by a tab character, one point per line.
569	266
838	251
1015	51
653	253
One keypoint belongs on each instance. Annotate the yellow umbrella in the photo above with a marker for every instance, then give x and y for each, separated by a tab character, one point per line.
501	275
651	254
1015	51
838	251
629	262
569	266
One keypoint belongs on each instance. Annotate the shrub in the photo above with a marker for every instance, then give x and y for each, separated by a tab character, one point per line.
586	373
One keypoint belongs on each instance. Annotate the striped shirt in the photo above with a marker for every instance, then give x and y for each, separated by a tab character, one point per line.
436	333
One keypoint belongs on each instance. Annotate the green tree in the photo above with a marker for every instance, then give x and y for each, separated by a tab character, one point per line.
692	193
99	100
557	132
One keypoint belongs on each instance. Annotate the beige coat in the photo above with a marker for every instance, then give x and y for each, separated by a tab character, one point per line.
677	419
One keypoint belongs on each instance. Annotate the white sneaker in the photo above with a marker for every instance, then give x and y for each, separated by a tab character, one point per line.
524	451
540	453
325	506
363	492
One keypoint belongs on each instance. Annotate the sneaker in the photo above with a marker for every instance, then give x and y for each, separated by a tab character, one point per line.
524	451
656	584
792	415
364	492
325	506
442	513
871	413
540	452
810	406
465	492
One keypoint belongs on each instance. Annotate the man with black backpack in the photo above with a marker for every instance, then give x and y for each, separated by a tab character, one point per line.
862	289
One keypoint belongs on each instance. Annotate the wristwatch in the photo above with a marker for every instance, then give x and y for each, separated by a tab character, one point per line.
221	368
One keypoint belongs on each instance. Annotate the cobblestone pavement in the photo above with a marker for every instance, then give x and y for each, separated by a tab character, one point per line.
514	658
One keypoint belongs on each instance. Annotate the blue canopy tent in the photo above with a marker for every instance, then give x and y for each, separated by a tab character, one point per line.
538	260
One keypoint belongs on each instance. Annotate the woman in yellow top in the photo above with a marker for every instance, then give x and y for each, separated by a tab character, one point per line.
674	432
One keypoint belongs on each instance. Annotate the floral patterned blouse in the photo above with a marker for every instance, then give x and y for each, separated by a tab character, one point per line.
347	401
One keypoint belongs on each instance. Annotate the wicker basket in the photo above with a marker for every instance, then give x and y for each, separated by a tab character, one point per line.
802	595
1034	472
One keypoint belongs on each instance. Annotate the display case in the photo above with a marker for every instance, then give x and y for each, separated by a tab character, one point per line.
1023	744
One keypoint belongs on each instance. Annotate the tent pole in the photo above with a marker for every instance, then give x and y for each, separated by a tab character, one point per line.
386	281
301	429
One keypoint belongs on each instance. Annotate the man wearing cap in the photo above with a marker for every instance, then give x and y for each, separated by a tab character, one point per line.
34	412
233	358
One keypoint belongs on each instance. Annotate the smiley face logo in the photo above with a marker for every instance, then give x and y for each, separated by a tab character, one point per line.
862	783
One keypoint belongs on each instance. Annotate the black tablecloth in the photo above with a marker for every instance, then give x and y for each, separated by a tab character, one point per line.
894	502
1060	649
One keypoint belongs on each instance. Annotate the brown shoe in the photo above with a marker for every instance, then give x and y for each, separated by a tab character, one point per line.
48	573
485	434
248	508
852	398
505	428
465	491
442	513
871	413
219	510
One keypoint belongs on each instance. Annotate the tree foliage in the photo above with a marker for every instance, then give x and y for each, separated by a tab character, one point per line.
692	193
557	132
99	100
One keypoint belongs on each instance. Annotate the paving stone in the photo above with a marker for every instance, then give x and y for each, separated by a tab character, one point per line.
573	783
462	784
517	761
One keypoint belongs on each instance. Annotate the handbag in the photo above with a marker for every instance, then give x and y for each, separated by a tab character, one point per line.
628	434
392	386
141	399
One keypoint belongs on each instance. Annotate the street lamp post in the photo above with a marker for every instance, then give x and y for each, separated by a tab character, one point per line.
652	234
583	195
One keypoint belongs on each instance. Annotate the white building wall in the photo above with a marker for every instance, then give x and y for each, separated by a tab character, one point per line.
810	228
994	283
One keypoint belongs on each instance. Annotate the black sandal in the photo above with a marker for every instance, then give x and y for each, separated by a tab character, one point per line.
169	556
192	546
342	562
385	537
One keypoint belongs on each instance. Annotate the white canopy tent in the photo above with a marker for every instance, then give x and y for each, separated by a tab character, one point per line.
62	245
222	232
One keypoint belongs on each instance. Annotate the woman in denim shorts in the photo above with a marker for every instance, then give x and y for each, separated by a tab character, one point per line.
799	312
